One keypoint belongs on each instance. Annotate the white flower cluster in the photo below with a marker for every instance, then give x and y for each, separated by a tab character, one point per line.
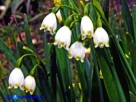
63	35
16	79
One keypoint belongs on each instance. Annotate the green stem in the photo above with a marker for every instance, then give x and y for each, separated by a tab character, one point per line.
34	69
99	22
72	24
86	10
28	49
61	6
70	19
19	60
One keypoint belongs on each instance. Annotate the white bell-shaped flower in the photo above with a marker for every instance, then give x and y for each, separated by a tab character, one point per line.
58	14
77	50
63	37
100	38
49	23
30	84
16	79
86	27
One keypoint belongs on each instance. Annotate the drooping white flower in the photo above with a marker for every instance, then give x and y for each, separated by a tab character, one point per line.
77	50
30	84
58	14
63	37
16	79
86	27
49	23
100	38
2	8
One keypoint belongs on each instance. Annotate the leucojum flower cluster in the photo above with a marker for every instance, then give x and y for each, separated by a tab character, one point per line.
62	39
64	34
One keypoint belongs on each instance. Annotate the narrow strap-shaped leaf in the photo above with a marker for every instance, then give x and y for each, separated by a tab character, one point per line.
64	11
128	18
1	72
47	49
72	93
132	97
53	70
63	65
114	74
106	8
134	20
133	45
108	79
59	96
61	83
126	62
72	4
28	34
82	79
3	96
6	50
97	71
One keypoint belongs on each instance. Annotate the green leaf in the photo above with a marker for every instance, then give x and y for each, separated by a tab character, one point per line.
6	50
1	71
106	8
3	96
127	16
134	20
65	73
96	71
133	56
108	80
81	75
28	34
132	97
99	8
53	70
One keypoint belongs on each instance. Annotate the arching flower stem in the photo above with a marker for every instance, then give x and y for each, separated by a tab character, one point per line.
34	69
